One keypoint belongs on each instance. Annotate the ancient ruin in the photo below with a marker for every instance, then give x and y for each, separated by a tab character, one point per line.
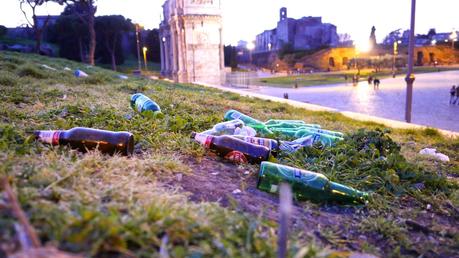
191	41
307	33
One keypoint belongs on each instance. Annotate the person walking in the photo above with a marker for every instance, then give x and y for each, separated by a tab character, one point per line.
452	93
376	83
457	95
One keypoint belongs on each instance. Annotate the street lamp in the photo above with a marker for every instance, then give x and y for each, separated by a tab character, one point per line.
137	30
250	47
410	76
145	49
453	38
394	57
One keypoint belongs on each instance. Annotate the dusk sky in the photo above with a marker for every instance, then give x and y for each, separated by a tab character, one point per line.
243	19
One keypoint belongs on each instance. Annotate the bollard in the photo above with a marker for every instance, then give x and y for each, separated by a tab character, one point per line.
285	95
285	210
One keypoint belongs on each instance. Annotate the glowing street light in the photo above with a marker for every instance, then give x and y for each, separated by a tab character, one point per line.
250	47
453	38
145	49
394	58
434	42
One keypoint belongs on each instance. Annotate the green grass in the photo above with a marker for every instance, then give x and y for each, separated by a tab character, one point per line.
316	79
105	206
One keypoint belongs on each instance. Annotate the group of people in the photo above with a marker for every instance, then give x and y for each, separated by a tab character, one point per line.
371	80
454	92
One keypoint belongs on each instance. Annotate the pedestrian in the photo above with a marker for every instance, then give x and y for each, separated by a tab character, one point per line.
457	95
370	79
452	93
376	83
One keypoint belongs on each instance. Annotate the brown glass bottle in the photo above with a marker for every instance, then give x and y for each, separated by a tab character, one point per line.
233	149
84	139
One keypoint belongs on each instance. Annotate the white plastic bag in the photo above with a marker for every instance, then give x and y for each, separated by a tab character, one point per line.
433	153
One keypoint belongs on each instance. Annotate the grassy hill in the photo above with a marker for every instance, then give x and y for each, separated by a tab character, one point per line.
173	198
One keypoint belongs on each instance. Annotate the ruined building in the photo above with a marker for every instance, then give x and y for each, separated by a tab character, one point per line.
191	41
307	33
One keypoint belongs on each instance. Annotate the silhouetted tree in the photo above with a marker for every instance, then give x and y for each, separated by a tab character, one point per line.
33	21
152	42
86	11
3	31
110	29
71	34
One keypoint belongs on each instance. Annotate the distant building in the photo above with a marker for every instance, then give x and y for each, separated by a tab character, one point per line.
307	33
191	41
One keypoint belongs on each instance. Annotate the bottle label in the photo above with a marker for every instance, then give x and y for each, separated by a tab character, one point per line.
236	115
316	138
259	141
236	157
274	188
203	139
140	103
49	137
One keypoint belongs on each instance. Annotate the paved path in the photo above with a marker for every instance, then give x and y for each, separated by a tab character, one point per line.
430	99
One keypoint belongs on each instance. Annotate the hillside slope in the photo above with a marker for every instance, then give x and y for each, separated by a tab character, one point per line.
174	198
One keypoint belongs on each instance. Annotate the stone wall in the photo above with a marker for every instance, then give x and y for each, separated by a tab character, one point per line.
191	41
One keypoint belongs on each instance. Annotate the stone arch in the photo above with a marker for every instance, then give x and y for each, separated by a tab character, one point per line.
331	61
432	57
420	58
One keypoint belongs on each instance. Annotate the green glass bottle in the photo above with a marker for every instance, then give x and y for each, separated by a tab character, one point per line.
291	125
278	121
278	146
259	126
301	133
307	185
234	114
325	139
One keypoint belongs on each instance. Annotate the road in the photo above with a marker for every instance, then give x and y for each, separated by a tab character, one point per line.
430	98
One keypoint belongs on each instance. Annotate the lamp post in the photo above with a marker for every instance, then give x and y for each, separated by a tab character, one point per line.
410	76
394	55
145	49
137	29
250	47
453	38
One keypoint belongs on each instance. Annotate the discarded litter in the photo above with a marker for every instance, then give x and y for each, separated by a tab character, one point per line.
237	191
433	153
67	69
276	146
144	105
289	128
228	128
122	77
80	74
307	185
84	139
233	149
48	67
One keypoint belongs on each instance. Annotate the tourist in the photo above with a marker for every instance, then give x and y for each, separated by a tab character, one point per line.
376	83
370	79
457	95
452	92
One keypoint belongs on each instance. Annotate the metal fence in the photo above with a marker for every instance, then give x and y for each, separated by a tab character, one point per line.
240	79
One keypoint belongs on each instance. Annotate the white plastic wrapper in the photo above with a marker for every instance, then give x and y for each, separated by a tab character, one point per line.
433	153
